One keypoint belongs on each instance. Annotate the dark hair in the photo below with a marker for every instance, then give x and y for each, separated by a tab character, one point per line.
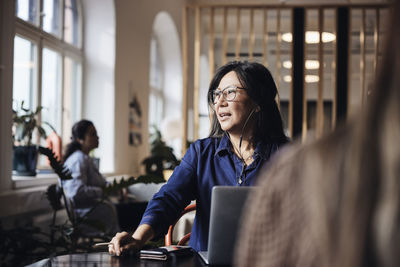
78	132
261	88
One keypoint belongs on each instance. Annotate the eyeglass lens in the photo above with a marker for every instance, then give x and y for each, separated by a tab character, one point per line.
229	94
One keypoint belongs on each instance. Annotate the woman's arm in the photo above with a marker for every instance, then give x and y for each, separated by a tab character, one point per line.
168	203
163	209
124	241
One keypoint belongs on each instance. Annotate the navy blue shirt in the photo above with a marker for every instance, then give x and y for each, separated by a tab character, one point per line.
208	162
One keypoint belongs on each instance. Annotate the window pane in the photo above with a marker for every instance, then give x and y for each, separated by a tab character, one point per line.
71	22
72	96
156	82
28	10
153	108
25	69
156	74
52	17
51	89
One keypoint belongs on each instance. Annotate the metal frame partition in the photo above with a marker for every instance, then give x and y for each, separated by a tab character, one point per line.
310	50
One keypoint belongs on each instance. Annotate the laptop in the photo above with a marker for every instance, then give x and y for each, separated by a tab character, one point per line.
226	208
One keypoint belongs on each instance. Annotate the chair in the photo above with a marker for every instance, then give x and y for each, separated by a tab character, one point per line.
185	239
77	225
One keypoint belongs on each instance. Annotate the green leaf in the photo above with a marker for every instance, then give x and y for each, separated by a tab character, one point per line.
54	194
42	132
38	110
57	166
26	123
162	156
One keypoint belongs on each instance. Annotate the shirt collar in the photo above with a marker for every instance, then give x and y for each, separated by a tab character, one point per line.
224	146
263	150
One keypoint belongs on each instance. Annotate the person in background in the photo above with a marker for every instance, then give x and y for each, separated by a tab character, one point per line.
246	130
86	188
335	202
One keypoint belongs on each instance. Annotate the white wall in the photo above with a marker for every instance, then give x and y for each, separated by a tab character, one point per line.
134	22
7	29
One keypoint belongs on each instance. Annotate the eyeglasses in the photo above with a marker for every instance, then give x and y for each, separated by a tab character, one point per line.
229	93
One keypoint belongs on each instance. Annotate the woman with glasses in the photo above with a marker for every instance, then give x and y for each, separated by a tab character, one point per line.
246	130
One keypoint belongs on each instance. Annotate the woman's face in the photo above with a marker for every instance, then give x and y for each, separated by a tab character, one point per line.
233	114
91	140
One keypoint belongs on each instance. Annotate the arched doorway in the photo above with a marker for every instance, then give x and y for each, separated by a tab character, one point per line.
165	97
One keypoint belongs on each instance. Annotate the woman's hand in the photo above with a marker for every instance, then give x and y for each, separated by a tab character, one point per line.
123	242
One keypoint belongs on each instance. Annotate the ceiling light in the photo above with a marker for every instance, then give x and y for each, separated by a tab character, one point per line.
310	64
287	78
308	78
287	64
312	78
287	37
312	37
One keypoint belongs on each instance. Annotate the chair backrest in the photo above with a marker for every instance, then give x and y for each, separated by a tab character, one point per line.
68	204
185	239
84	230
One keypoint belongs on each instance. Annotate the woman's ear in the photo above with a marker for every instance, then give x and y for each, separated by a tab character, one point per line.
258	109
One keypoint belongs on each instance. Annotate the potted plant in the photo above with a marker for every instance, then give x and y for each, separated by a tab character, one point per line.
161	156
25	153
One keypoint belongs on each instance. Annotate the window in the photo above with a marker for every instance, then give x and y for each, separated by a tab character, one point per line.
165	98
72	95
71	23
28	11
48	61
156	96
25	71
52	17
51	87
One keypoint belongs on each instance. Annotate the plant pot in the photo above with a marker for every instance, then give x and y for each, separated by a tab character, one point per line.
25	160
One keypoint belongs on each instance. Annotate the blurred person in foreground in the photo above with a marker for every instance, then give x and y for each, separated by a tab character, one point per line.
335	202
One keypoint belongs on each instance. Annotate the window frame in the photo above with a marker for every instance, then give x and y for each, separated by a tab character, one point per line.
43	39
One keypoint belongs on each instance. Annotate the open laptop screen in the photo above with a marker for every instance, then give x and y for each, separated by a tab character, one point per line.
226	207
